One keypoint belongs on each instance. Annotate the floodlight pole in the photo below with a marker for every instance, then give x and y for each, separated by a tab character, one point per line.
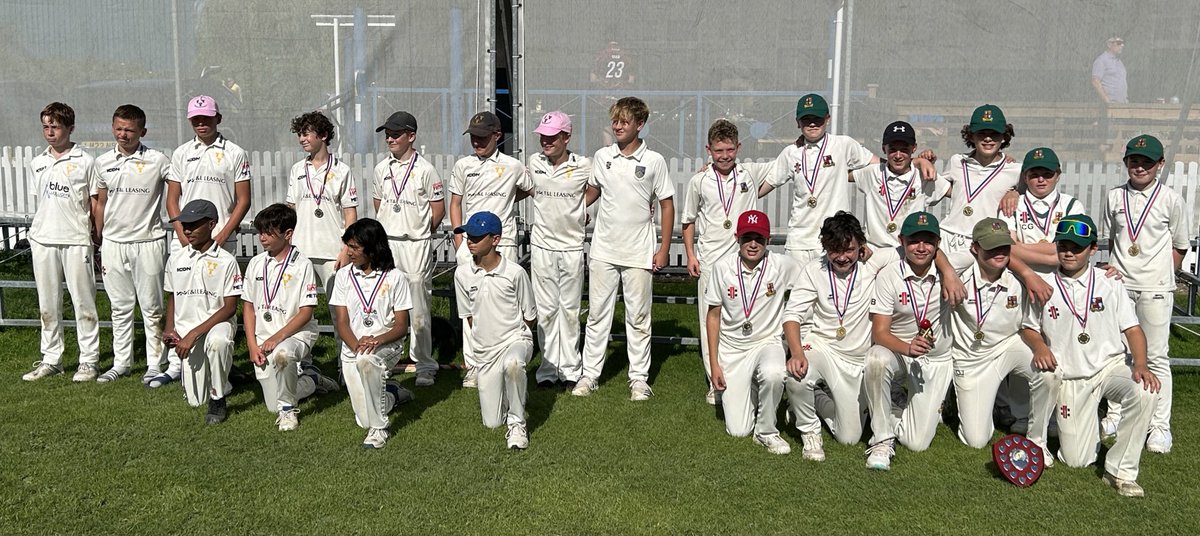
337	22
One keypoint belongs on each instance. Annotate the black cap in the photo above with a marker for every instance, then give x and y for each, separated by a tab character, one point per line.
900	131
399	122
483	124
196	210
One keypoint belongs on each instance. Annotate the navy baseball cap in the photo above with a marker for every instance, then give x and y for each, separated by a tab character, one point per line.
196	210
481	224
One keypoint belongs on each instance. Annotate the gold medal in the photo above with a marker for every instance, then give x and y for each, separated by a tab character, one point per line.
967	210
812	201
728	224
1083	338
891	227
841	332
978	335
1134	250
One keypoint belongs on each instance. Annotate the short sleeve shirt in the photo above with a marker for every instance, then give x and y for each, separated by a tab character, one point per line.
281	289
630	186
329	189
370	298
63	187
1035	219
1109	312
1000	305
828	300
559	212
890	198
135	193
404	190
210	172
976	186
491	184
820	171
1110	71
200	281
1164	226
905	297
500	301
763	290
711	201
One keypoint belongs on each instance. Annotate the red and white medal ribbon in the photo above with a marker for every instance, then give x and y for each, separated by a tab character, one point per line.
972	193
319	195
893	208
271	290
726	201
748	306
407	173
841	306
1062	289
811	182
368	304
1135	229
1044	224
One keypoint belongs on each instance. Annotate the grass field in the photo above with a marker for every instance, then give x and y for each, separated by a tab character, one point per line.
121	459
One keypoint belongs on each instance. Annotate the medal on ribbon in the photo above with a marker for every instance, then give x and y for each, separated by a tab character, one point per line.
981	313
972	193
726	200
368	304
840	306
810	182
319	195
271	290
1042	223
894	208
748	302
1135	229
1083	337
924	325
397	190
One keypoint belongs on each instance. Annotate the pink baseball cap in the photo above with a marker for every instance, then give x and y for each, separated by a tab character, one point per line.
202	105
553	123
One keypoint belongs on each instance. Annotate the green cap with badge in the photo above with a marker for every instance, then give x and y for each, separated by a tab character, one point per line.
811	104
1145	145
1042	157
987	117
991	233
920	222
1077	228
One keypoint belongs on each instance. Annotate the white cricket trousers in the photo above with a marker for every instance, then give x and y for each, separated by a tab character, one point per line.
173	245
51	265
637	285
365	375
1153	309
926	379
206	370
846	412
1079	428
502	383
557	287
280	378
702	310
414	258
977	383
462	256
133	275
753	387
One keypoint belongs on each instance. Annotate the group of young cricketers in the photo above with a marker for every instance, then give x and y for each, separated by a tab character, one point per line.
856	320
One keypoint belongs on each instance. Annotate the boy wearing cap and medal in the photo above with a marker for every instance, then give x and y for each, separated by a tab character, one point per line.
823	162
986	347
556	249
911	345
746	296
323	192
628	179
408	201
370	312
203	283
1078	336
487	181
1148	238
1039	210
893	189
495	297
832	296
716	196
278	299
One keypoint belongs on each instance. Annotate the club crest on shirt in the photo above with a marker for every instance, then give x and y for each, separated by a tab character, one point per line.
287	278
1057	216
796	168
745	187
827	161
903	298
1053	312
140	166
770	289
219	156
608	165
1025	218
71	168
732	292
210	267
1064	411
1097	304
384	288
1011	303
639	171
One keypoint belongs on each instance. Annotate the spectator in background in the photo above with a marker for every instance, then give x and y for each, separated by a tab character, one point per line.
1108	73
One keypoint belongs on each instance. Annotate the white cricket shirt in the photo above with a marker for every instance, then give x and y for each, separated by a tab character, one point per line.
763	290
210	172
630	187
290	287
825	164
329	188
711	201
821	293
903	295
404	195
890	198
63	187
1164	228
200	282
1109	313
499	302
373	297
135	185
559	212
1002	304
490	184
985	194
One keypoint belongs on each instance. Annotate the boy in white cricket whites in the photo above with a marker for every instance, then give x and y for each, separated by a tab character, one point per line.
1078	336
278	298
203	284
494	296
60	241
1039	210
627	178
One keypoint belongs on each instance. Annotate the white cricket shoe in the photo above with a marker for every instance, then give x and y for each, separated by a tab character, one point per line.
41	370
288	420
517	437
585	386
85	373
112	375
879	455
376	438
425	379
814	446
1159	440
639	391
470	381
1108	427
1125	488
773	443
